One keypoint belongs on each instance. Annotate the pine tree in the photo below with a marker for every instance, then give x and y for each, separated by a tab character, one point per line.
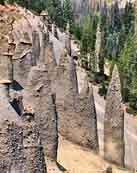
128	18
88	40
115	17
56	12
67	12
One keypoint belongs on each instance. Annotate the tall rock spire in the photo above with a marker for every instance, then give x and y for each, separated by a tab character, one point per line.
43	100
35	47
85	109
97	48
68	40
114	122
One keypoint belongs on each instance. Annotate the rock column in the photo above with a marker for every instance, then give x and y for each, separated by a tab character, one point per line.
44	106
114	122
35	47
68	40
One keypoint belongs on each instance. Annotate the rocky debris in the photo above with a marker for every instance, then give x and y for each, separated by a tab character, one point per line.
20	148
32	148
114	122
7	116
44	106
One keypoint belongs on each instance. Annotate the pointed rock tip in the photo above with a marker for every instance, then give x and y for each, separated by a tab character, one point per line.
85	89
115	83
115	70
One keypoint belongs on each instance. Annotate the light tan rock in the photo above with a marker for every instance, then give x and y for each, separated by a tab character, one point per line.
114	122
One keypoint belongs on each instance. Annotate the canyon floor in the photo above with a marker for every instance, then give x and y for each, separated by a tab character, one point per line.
76	159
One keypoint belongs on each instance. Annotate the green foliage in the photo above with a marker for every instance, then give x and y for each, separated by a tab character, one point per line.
67	13
55	10
128	68
60	13
76	30
115	32
88	39
2	1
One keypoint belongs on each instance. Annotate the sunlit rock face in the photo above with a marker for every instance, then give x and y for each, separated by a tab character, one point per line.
114	122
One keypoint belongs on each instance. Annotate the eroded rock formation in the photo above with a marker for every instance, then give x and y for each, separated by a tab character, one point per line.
44	105
78	119
52	101
35	47
114	122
